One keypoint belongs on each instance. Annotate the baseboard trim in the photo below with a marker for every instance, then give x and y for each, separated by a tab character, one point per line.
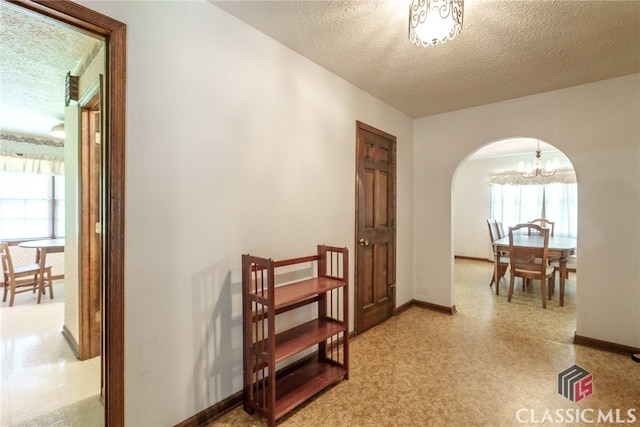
217	410
472	258
604	345
404	307
435	307
214	412
66	333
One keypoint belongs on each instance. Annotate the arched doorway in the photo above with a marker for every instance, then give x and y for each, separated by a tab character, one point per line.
476	183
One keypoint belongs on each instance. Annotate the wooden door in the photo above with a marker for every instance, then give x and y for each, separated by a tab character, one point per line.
375	226
91	276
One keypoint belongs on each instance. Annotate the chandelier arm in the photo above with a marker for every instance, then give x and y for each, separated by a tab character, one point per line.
538	169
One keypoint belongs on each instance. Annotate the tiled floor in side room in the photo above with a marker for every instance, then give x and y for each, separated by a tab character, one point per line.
42	381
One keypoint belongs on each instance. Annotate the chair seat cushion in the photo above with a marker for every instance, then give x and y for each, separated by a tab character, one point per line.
572	262
524	272
28	268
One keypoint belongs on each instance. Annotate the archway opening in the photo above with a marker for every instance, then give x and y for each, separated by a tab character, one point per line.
487	185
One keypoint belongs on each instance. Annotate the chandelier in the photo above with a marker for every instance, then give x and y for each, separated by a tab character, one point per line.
432	22
531	171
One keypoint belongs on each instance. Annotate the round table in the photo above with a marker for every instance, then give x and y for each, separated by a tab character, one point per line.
44	247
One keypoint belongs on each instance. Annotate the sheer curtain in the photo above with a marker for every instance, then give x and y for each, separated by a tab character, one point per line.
515	204
562	207
515	200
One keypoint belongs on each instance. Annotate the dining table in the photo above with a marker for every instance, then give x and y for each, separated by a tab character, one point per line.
560	247
44	247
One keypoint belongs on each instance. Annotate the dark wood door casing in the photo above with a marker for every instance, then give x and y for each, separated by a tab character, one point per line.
91	229
375	226
115	34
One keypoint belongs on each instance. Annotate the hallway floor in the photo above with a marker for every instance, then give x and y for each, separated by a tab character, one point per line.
42	382
493	364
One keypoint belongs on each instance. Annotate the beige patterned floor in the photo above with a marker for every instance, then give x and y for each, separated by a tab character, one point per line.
493	363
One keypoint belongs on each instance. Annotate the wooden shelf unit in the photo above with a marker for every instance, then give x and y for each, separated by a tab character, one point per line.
325	337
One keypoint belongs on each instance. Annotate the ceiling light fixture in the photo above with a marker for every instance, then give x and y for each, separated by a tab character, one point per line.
432	22
531	171
57	131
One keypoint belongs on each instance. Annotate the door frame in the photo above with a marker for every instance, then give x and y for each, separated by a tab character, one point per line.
360	125
91	199
115	35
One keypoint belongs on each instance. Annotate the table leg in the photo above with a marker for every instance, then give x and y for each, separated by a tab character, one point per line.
43	263
496	263
563	275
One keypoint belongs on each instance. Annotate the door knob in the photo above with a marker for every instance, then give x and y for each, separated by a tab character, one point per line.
363	242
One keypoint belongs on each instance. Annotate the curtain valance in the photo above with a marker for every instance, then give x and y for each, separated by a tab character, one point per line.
562	176
28	165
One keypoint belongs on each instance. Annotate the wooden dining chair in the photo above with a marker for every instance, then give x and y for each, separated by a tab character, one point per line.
551	225
531	263
26	278
494	234
500	229
572	265
544	223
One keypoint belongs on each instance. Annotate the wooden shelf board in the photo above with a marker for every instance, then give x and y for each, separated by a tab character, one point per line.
308	334
288	294
303	383
299	338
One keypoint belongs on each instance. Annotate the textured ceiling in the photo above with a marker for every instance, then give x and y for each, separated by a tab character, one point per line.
35	56
507	49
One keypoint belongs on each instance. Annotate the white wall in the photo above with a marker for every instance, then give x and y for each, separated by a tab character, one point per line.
598	127
72	220
235	144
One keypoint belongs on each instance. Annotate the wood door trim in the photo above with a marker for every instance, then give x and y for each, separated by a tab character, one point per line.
90	240
115	33
90	252
363	126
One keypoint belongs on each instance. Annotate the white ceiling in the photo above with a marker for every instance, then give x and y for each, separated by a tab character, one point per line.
35	56
506	49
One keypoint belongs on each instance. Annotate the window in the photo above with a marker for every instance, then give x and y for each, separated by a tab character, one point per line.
558	202
31	206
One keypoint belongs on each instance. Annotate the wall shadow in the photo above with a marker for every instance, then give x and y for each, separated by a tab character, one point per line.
217	334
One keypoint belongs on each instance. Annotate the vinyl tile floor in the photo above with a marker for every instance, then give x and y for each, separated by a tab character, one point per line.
493	363
42	382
